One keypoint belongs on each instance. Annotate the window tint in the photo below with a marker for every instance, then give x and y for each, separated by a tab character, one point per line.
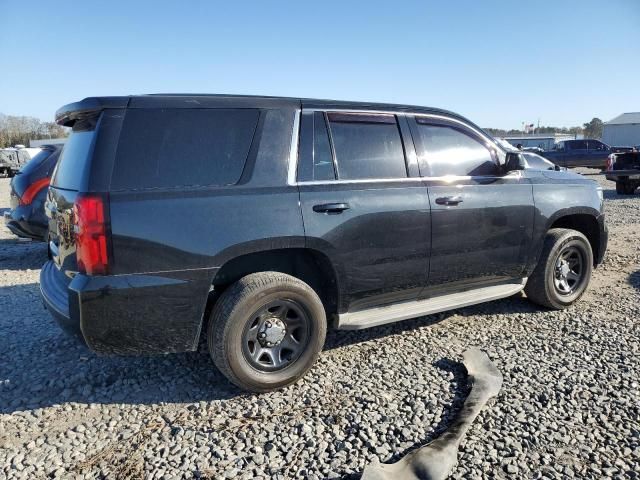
597	145
70	170
37	160
577	145
183	147
367	146
323	168
448	151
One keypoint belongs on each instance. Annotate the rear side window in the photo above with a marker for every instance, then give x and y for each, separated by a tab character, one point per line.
367	146
183	147
448	151
74	160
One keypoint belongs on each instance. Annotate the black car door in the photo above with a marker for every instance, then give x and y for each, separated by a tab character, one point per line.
481	219
364	205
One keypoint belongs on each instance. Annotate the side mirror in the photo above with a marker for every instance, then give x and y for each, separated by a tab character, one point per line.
514	161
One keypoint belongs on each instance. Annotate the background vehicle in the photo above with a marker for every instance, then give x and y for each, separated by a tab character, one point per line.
624	169
280	214
13	159
28	194
581	153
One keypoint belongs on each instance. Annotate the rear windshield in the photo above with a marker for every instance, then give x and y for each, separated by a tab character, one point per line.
183	147
37	160
71	169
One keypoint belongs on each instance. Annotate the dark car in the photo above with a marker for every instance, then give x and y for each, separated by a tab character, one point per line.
281	216
581	153
28	194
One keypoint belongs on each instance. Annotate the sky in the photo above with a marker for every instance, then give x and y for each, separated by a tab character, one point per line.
499	63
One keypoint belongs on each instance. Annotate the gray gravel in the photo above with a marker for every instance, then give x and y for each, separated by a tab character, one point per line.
569	407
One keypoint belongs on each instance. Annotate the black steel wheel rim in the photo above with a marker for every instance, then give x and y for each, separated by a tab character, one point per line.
276	335
569	270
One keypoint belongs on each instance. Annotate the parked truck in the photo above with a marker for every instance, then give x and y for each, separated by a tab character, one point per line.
582	153
624	169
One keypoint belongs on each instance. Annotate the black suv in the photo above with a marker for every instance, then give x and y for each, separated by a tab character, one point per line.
276	215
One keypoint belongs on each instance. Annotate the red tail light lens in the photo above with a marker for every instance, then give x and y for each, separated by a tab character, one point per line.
33	189
92	234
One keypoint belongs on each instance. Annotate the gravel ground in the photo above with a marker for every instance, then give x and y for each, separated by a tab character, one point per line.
570	404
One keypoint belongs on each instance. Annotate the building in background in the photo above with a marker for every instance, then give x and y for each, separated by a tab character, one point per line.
47	141
544	141
622	131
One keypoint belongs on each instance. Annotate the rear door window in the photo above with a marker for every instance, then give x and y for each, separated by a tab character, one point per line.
448	151
577	145
183	147
367	146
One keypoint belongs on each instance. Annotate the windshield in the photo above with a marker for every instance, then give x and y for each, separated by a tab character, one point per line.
37	160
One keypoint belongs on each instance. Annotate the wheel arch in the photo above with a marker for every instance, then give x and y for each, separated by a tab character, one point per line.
583	221
311	266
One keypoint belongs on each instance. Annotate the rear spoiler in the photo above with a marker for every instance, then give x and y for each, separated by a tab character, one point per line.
70	113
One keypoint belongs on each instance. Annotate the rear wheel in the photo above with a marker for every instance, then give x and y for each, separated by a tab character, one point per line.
266	330
625	187
563	271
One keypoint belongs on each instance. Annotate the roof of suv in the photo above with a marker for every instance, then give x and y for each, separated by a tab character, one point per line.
67	114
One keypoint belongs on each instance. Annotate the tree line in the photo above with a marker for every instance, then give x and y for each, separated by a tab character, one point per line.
16	130
592	129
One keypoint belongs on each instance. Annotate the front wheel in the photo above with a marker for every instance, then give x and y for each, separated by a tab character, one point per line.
266	330
563	271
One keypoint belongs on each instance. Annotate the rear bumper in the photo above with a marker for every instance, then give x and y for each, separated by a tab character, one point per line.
616	175
54	292
21	223
129	314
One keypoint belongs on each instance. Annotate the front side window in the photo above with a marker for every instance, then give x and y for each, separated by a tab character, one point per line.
367	146
596	145
447	151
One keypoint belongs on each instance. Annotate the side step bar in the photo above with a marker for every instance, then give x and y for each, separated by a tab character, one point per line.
402	311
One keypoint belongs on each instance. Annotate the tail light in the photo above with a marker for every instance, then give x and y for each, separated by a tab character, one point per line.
92	233
33	189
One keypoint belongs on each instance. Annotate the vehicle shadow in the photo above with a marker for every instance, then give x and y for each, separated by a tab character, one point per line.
45	367
634	280
22	255
42	366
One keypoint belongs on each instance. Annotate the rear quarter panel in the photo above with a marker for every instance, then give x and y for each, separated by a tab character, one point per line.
168	244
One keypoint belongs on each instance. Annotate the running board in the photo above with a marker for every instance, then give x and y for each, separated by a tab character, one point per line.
402	311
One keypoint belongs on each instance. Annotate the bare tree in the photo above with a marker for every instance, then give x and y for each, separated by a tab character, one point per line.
18	130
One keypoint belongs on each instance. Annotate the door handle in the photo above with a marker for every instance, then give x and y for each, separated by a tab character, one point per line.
449	200
331	208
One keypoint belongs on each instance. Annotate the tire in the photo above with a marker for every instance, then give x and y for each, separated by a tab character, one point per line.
276	306
625	187
630	188
550	285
